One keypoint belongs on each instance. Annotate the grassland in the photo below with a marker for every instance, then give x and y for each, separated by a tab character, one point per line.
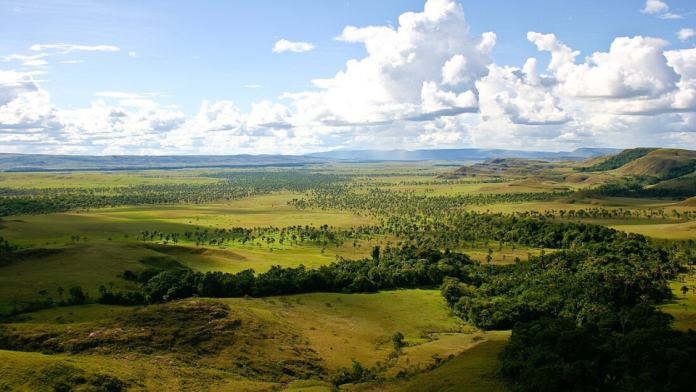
338	328
335	328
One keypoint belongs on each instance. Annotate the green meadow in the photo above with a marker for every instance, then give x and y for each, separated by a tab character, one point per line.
289	342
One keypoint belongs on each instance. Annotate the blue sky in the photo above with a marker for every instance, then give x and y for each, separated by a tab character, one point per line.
175	77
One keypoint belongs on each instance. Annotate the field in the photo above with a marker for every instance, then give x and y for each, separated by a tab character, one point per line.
293	341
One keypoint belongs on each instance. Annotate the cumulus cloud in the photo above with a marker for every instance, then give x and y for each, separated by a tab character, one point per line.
298	47
633	67
428	82
685	34
655	7
520	96
425	66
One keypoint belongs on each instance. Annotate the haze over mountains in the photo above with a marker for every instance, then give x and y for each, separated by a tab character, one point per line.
462	154
40	162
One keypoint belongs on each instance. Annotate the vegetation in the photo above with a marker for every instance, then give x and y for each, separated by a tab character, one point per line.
253	279
616	161
633	351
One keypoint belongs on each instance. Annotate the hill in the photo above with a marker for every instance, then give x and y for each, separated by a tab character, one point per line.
617	161
510	168
663	163
463	154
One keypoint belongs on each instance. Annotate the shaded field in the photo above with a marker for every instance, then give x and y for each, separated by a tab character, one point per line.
683	307
335	328
342	327
474	370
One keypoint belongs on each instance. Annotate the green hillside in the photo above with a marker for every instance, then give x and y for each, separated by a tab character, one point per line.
618	160
666	164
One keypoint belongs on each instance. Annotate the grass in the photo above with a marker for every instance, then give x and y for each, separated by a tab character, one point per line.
22	371
89	313
101	179
86	264
342	327
474	370
116	222
683	307
335	328
332	328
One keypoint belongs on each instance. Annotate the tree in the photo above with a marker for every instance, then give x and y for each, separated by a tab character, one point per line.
60	292
398	340
375	253
77	296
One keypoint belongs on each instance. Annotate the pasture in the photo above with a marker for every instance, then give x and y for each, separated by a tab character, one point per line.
93	247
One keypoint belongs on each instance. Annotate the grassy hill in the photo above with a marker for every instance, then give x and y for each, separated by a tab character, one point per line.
663	163
236	344
618	160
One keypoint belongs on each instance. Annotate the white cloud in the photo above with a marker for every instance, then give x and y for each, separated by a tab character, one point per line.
72	62
125	95
659	9
655	7
35	63
427	82
685	34
298	47
403	75
117	94
22	57
454	70
133	54
520	96
70	48
633	68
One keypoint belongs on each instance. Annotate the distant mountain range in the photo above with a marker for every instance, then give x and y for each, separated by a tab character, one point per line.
42	163
39	162
463	154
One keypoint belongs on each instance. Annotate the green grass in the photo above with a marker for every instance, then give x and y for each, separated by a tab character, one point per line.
475	370
342	327
336	327
87	265
101	179
683	307
22	371
116	222
89	313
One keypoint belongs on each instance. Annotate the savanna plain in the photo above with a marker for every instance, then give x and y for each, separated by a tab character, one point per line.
508	274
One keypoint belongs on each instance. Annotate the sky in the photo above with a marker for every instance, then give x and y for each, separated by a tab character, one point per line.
295	77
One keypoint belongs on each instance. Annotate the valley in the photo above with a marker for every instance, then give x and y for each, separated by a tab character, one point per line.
339	275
